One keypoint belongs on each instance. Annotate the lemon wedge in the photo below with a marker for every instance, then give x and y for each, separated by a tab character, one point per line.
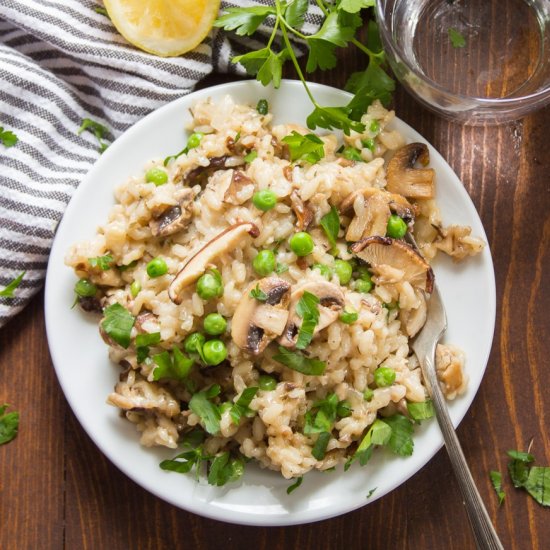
163	27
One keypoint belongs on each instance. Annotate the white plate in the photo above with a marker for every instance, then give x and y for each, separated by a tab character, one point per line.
87	377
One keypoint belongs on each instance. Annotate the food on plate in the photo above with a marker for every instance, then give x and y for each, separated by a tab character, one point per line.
259	296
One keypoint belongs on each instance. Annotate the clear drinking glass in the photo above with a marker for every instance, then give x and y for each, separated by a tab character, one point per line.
472	60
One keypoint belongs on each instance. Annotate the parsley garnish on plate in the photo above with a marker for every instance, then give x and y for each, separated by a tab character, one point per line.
298	362
99	130
342	22
175	365
208	412
421	411
307	309
241	407
308	147
101	262
456	38
331	226
8	291
258	294
117	324
7	138
295	485
9	424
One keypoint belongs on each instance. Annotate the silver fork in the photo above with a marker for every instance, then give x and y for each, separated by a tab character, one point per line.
424	346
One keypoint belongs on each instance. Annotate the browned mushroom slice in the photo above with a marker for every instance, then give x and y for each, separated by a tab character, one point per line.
371	218
385	251
195	266
304	214
331	302
398	203
238	181
412	320
255	323
201	173
174	218
403	178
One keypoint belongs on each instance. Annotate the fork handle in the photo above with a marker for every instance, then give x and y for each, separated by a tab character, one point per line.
484	532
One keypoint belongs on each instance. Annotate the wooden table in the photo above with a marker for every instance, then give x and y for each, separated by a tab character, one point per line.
58	491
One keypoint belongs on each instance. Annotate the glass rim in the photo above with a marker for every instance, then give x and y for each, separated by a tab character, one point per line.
483	101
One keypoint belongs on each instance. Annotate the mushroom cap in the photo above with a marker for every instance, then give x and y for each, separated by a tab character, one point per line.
398	203
331	302
403	178
174	218
195	266
256	323
380	251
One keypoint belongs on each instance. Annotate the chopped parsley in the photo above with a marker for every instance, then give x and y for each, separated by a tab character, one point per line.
401	441
102	262
309	147
241	407
298	362
320	448
322	415
331	226
281	268
143	341
99	130
456	38
175	365
101	11
309	313
421	411
117	324
8	291
251	156
295	485
225	469
9	424
496	480
262	107
534	479
258	294
207	411
7	138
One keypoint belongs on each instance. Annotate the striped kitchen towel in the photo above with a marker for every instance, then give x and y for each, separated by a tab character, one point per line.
61	62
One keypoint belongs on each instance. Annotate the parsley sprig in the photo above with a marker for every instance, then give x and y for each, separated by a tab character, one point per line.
339	29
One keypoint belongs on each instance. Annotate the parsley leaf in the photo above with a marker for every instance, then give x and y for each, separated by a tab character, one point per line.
378	434
101	11
322	415
496	480
281	268
224	469
421	411
321	55
308	147
295	485
102	262
295	13
298	362
240	407
7	138
456	38
332	30
258	294
8	291
99	130
333	117
9	424
320	448
251	156
207	411
353	6
117	324
143	341
244	21
518	467
331	225
538	484
400	442
265	64
368	85
371	492
176	366
306	308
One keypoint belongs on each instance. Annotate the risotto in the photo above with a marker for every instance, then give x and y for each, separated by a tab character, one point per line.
259	296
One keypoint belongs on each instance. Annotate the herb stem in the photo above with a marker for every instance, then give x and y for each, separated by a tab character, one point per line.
321	4
274	33
365	50
293	55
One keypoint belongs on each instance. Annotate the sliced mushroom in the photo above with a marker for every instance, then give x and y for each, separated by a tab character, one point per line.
195	266
331	302
403	178
412	320
238	181
371	218
385	251
398	204
201	173
304	214
174	218
255	323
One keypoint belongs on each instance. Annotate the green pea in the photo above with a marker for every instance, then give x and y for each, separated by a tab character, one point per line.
368	394
135	288
156	268
369	144
264	200
267	383
214	352
374	127
324	270
351	153
301	243
343	410
194	342
194	140
348	316
396	227
361	285
85	288
344	271
156	175
209	286
262	107
264	263
362	272
384	376
214	324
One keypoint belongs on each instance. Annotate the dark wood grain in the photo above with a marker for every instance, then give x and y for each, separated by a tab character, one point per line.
58	491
